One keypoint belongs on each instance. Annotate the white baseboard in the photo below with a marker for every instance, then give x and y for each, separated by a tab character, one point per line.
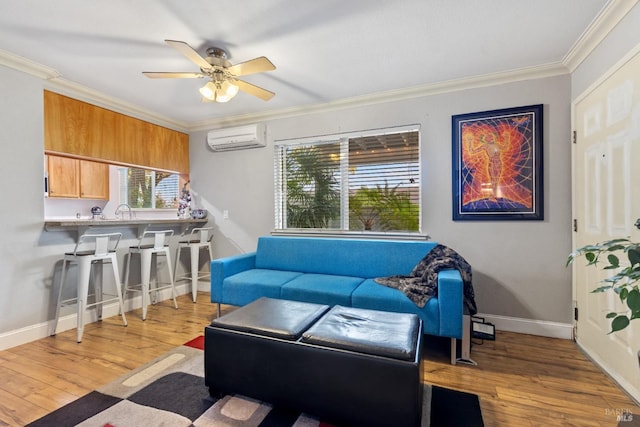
43	330
541	328
627	386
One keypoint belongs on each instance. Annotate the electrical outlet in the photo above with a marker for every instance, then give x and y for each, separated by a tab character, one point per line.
225	214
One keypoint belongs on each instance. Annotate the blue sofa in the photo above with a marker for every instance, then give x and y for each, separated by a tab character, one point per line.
338	271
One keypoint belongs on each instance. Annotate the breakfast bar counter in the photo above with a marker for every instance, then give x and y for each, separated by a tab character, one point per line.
82	225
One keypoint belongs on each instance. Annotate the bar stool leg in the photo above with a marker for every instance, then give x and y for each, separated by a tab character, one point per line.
59	303
126	273
116	275
145	274
84	273
195	257
98	282
153	279
176	263
167	253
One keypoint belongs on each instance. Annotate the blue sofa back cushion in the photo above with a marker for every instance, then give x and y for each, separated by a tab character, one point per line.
367	258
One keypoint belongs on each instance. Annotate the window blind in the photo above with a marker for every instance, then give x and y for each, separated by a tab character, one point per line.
352	183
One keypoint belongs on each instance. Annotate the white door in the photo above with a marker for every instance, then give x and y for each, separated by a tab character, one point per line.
606	203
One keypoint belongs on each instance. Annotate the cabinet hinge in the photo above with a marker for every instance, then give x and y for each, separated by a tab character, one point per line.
575	137
575	225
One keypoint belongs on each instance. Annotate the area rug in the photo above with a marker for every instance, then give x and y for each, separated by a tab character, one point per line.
170	391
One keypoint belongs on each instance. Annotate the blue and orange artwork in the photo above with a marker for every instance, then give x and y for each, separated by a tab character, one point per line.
497	164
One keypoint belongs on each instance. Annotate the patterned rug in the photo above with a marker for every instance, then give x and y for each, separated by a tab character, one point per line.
170	391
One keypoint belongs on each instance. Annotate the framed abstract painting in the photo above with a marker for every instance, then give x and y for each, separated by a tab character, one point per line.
497	164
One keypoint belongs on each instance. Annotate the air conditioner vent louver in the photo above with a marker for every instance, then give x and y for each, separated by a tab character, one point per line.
237	138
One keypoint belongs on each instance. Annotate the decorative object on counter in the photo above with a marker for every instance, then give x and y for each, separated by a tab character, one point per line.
185	200
198	213
96	212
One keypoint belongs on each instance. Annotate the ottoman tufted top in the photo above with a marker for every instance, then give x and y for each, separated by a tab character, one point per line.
372	332
272	317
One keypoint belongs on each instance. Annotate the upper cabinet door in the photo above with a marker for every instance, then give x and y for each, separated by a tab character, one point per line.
73	178
94	180
64	177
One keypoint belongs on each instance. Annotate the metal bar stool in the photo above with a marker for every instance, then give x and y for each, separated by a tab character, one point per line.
151	243
200	238
103	250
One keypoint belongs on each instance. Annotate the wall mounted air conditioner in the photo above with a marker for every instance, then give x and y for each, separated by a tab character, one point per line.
238	138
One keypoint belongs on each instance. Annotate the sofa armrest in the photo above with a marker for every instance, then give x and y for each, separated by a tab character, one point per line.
450	301
222	268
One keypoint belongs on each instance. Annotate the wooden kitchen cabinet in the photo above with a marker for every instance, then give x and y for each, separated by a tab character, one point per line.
78	129
76	178
94	180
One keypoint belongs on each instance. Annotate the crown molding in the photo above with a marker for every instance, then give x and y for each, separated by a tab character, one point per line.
610	16
493	79
54	82
28	66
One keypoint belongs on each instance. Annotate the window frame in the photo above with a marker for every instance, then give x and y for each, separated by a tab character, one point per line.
280	192
121	170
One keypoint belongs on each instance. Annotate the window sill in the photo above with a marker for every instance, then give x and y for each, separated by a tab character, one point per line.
349	234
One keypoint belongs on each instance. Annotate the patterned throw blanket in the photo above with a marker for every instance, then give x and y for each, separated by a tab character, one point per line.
422	283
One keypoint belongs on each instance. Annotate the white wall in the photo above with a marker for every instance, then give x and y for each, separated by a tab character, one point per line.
519	267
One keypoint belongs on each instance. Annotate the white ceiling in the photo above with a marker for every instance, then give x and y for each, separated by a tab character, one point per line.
325	51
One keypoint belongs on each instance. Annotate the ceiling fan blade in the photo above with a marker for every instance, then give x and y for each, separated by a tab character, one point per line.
257	65
189	53
254	90
170	75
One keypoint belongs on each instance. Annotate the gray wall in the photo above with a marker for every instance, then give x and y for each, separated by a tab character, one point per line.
23	285
518	266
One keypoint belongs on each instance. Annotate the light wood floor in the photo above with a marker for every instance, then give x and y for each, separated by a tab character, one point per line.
522	380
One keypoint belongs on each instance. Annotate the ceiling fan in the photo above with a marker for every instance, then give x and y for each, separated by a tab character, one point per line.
224	83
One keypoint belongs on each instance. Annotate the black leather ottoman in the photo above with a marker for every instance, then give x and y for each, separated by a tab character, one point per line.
350	367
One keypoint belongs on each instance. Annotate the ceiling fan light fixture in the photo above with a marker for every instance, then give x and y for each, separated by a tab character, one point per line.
226	91
219	91
209	91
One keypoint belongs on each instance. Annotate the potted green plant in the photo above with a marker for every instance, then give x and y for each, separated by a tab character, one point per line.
623	282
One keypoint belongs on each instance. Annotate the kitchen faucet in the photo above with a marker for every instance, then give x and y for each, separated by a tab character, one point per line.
124	206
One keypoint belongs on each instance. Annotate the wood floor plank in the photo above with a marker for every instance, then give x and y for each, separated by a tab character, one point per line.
522	380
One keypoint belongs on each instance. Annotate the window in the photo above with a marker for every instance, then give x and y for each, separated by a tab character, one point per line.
367	182
142	188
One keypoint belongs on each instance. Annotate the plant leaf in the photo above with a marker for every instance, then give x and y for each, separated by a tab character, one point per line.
634	256
633	300
624	292
619	323
611	315
613	261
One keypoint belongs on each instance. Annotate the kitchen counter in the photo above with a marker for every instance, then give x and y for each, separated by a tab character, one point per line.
82	225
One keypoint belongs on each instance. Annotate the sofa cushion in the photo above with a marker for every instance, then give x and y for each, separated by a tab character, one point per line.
368	258
373	296
321	289
247	286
